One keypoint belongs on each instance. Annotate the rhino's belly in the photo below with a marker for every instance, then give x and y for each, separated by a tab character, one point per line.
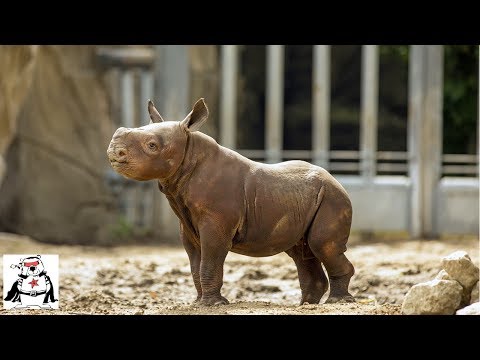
270	238
260	249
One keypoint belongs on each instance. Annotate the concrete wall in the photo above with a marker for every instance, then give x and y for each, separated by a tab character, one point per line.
380	205
457	212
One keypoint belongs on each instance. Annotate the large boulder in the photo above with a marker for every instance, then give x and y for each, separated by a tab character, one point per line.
443	275
473	309
474	297
16	73
435	297
58	191
461	268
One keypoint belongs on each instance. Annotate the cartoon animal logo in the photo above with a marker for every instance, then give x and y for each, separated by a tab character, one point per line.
33	288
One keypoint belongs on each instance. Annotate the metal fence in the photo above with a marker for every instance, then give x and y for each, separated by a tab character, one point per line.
423	199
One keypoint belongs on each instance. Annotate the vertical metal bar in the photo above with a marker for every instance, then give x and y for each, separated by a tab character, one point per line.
425	136
321	105
146	92
432	137
128	115
172	81
228	96
128	118
416	74
274	105
369	110
172	89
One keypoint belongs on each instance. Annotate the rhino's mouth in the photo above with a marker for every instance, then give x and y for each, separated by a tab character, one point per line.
115	163
119	166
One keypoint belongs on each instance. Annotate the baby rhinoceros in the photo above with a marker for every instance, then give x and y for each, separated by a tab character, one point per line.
226	202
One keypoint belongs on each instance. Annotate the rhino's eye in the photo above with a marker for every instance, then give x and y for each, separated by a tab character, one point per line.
152	146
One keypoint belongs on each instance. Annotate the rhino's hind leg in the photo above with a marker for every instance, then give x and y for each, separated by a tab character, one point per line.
339	270
313	281
339	284
327	239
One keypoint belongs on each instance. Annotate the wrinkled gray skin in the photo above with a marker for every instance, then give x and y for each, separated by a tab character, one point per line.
226	202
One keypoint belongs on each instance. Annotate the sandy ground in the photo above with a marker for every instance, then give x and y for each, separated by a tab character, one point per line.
156	279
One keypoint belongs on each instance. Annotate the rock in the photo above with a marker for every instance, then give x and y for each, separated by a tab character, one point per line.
59	193
443	275
435	297
474	297
473	309
3	168
461	268
16	72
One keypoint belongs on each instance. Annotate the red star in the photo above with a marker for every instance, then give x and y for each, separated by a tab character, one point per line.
34	283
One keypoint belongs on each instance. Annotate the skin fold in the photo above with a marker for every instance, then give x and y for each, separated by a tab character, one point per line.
226	202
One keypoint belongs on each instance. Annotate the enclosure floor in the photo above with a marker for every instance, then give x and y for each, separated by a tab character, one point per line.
156	279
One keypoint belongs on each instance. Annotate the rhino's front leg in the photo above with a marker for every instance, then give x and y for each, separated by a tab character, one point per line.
214	249
193	253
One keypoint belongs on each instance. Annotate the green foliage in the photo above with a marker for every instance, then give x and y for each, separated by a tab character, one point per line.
393	98
459	108
124	232
396	51
460	99
460	94
122	229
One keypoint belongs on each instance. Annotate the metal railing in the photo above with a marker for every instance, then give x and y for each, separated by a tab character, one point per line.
423	178
422	167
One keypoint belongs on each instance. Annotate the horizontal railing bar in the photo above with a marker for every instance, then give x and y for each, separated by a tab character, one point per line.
459	158
392	155
346	166
127	57
381	156
460	169
392	167
344	154
297	154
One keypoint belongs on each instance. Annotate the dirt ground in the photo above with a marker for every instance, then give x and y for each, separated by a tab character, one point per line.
156	279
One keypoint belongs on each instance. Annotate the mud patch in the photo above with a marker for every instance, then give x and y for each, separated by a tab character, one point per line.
156	279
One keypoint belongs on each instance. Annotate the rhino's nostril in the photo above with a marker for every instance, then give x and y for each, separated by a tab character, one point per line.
122	153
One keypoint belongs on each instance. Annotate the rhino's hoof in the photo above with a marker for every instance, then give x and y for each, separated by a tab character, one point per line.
340	299
310	300
197	300
209	301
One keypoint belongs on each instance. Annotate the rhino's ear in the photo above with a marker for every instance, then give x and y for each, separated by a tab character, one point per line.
155	116
197	116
